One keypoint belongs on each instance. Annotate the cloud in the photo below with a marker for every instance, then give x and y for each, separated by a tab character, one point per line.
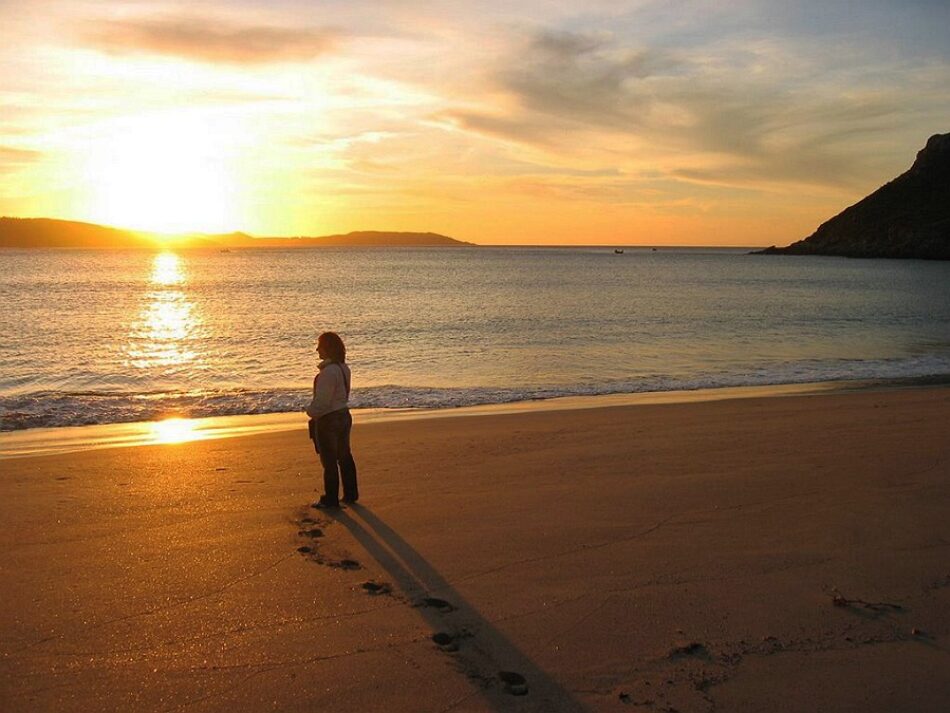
730	112
734	113
209	40
562	85
520	129
12	158
583	76
10	155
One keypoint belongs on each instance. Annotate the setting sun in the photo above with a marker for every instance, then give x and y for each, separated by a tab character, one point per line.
168	172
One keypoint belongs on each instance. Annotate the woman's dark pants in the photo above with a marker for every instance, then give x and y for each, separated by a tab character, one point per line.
333	441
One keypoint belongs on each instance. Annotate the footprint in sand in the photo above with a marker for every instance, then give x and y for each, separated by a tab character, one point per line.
515	683
313	532
439	604
376	588
347	564
445	641
692	648
305	550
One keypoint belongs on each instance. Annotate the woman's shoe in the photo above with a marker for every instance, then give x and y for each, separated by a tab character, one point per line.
324	504
346	499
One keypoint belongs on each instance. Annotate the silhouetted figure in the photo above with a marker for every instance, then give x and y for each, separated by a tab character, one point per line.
331	422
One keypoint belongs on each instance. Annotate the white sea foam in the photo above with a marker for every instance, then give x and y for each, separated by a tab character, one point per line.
51	408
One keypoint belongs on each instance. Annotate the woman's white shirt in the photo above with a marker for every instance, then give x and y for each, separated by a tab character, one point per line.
329	389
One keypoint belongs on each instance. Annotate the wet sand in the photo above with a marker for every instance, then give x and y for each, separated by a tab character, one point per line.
788	554
48	441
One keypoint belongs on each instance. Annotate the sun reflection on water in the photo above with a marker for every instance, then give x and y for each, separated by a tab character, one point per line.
169	316
166	269
169	321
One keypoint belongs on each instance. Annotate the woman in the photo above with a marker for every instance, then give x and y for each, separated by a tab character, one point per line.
331	422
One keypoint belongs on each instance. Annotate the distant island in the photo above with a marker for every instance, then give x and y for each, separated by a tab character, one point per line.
906	218
52	233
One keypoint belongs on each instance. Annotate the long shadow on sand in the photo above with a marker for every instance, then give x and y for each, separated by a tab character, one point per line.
484	651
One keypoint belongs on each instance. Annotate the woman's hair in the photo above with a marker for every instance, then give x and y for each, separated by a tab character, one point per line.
332	343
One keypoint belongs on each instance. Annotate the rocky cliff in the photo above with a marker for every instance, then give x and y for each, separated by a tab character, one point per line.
906	218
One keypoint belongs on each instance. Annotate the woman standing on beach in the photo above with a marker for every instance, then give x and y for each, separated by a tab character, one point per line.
331	422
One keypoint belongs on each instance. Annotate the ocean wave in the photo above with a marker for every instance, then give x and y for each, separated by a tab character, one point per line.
45	409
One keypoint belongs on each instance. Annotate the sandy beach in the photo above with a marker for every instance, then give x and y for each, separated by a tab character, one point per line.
784	554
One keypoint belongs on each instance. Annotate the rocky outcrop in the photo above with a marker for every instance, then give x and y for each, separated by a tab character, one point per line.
906	218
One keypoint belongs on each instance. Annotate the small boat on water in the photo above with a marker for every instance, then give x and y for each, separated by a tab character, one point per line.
618	251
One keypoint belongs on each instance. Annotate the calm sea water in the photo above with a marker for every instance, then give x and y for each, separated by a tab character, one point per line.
111	336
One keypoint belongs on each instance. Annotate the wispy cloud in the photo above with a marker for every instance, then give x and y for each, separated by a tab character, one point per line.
728	113
519	128
13	160
585	77
10	155
212	40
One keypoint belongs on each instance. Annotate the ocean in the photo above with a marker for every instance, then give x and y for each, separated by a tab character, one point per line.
97	337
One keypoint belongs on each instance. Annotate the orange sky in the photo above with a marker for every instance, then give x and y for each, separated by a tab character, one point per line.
598	122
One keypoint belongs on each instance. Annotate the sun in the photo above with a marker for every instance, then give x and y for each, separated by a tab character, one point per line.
167	173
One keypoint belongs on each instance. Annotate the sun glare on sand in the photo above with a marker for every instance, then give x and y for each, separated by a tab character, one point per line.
170	172
174	430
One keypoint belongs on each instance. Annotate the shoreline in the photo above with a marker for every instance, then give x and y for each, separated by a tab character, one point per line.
34	442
